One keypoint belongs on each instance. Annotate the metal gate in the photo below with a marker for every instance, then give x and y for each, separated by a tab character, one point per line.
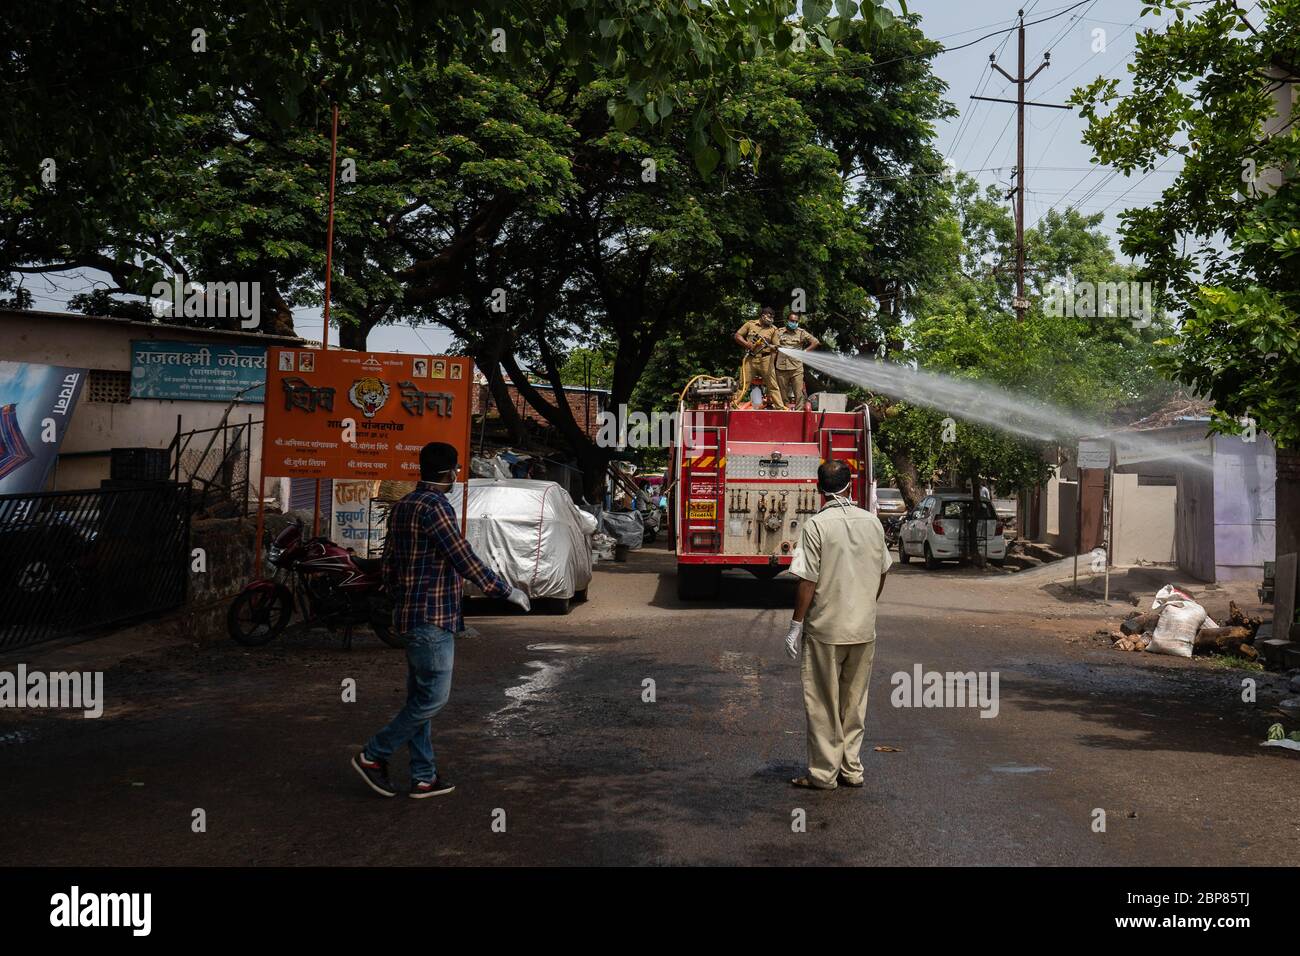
75	560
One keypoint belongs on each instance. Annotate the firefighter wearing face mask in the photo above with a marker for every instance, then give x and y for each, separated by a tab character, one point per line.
789	371
758	338
841	562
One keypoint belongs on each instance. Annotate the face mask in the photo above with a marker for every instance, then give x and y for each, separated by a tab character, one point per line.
445	480
792	326
765	320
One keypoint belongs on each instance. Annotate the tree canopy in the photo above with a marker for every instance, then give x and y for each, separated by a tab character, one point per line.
1217	88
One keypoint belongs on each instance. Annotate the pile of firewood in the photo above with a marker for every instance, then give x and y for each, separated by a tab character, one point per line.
1237	637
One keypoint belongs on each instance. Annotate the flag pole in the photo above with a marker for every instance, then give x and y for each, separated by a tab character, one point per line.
329	272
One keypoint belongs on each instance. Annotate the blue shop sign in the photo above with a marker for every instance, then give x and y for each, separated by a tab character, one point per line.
196	372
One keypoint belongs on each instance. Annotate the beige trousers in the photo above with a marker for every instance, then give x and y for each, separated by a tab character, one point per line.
790	382
764	366
835	680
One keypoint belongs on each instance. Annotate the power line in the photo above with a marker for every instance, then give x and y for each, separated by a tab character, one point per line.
1137	181
1101	185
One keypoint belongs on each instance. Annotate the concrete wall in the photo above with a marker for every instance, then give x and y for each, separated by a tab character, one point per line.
1144	521
1245	476
1062	515
1051	505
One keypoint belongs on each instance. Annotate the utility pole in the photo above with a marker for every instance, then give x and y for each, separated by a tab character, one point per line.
1018	191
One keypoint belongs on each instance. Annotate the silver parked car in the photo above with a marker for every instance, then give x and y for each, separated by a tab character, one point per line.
936	531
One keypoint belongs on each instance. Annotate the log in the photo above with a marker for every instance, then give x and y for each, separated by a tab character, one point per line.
1238	619
1139	623
1223	638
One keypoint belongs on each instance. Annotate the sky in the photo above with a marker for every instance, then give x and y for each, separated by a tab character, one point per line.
981	140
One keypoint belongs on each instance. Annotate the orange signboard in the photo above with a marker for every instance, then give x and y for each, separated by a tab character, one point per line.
389	406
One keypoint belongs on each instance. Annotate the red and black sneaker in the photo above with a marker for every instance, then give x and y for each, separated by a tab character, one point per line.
375	774
430	788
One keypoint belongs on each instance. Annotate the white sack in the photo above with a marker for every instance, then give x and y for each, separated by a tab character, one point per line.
1175	632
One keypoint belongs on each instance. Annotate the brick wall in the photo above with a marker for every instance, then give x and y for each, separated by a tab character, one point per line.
578	400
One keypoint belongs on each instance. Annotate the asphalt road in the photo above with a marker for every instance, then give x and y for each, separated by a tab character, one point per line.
547	730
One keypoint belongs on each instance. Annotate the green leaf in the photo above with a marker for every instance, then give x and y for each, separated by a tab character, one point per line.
625	116
815	11
706	161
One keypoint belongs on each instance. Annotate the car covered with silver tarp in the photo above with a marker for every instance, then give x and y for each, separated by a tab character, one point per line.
531	534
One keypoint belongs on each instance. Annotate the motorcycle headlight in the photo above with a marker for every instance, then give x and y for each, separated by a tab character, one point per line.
273	553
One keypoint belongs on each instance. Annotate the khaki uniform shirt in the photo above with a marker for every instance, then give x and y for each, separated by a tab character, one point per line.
842	549
753	330
792	339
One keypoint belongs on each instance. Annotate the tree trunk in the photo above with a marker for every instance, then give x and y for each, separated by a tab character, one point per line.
490	366
353	335
973	520
594	462
909	485
280	319
1288	505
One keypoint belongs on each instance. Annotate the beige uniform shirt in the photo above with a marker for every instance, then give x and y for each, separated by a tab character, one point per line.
792	339
842	549
753	330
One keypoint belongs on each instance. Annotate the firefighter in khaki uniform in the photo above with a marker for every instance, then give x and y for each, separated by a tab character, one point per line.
758	338
789	371
841	561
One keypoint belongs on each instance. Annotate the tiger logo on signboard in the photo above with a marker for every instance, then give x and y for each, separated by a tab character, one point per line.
368	394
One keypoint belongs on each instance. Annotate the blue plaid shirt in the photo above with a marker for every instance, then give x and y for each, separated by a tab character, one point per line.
425	558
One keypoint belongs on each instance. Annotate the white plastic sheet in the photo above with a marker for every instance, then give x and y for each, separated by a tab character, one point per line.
529	532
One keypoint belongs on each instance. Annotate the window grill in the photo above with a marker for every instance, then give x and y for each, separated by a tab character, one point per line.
108	385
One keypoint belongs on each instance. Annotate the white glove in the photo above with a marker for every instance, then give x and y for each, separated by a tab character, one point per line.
792	639
517	596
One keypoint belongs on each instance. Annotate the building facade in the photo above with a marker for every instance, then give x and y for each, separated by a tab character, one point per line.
129	366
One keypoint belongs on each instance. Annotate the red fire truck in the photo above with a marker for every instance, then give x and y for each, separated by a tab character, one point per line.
744	480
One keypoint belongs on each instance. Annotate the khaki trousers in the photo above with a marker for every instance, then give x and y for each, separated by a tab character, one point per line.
790	382
835	680
762	365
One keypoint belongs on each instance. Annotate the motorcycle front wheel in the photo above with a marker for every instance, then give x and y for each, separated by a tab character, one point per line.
256	616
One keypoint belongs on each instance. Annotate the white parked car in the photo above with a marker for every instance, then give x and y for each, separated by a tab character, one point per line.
532	534
936	531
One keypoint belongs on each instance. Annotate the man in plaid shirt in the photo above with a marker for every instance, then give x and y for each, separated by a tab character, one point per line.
425	560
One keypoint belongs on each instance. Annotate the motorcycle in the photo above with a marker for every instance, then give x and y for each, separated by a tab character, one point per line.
893	528
330	585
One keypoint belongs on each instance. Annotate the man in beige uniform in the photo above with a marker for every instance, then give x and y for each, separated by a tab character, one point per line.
841	561
758	338
789	371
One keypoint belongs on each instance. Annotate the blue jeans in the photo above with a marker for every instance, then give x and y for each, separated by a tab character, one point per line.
430	653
